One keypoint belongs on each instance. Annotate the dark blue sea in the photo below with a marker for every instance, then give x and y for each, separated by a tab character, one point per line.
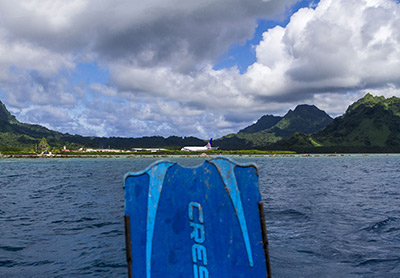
327	216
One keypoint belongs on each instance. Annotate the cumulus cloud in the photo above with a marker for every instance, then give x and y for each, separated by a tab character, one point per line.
49	116
157	51
328	55
103	89
178	33
160	57
24	55
206	88
30	88
339	46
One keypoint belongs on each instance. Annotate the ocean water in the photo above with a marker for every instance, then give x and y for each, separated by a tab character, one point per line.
326	216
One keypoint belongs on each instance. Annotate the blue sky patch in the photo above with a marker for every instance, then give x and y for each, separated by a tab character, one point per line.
244	55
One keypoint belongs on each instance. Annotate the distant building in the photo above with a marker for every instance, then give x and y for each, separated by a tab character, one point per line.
105	150
153	150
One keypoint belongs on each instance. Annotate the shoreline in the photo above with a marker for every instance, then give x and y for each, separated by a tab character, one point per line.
199	155
142	154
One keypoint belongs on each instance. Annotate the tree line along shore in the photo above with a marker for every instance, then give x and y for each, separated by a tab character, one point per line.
369	125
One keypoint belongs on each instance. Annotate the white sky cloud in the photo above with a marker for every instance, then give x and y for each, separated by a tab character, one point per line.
160	57
339	46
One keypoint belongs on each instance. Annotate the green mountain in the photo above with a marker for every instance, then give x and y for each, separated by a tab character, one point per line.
20	137
15	135
265	122
370	124
5	115
305	119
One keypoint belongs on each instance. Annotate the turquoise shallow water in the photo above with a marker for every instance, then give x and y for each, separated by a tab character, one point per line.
326	216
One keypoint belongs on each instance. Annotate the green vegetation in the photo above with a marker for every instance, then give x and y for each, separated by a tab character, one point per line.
305	118
222	152
265	122
43	145
372	124
25	138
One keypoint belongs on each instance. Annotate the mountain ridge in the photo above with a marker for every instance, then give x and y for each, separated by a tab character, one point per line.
304	118
265	122
5	115
16	136
370	124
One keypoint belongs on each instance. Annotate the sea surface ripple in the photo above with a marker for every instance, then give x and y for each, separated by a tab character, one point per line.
326	216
